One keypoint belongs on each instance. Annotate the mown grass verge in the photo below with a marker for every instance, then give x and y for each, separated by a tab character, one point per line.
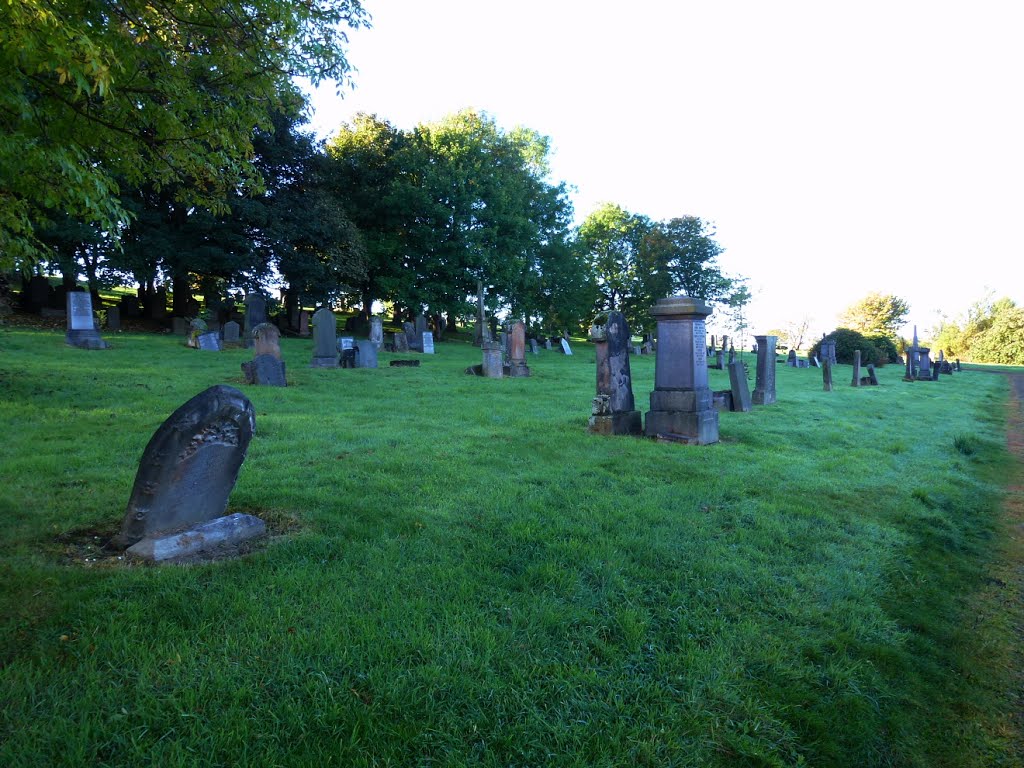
469	578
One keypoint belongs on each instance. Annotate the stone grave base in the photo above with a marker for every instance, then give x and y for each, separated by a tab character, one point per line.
218	536
85	339
475	370
324	362
404	364
622	423
722	400
762	398
517	370
699	427
265	370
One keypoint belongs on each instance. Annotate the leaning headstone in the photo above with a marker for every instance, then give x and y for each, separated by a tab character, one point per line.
764	379
81	330
826	374
114	319
856	369
428	342
565	347
255	315
209	341
681	403
813	360
614	409
377	331
738	386
190	465
325	330
517	351
366	354
231	332
872	377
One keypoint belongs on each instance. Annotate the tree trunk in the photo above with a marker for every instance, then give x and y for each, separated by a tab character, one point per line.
182	298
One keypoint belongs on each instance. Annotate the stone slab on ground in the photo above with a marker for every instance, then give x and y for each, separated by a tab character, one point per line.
220	534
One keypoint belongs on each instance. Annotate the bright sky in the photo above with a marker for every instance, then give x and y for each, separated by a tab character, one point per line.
840	148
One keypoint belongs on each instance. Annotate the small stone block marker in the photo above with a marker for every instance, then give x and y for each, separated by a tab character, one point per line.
221	533
190	465
82	331
325	329
738	386
764	380
681	403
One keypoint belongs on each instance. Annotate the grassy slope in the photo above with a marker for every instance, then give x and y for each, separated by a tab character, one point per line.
478	581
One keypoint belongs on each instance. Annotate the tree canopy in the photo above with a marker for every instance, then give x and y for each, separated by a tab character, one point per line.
876	314
102	94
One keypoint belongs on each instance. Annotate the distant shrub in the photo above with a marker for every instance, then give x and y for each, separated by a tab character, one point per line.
848	342
886	348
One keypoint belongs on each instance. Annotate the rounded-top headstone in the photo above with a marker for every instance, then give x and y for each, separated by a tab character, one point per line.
190	465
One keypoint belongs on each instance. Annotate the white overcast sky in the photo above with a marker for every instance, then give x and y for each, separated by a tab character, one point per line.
840	148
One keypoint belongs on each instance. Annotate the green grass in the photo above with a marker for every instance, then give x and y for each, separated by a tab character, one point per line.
469	578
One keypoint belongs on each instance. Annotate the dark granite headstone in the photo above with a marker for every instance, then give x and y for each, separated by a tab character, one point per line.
366	354
826	374
872	377
791	358
265	371
231	332
614	409
38	293
856	369
681	403
255	315
304	321
82	331
738	386
401	342
190	465
764	380
404	364
179	326
209	341
113	318
534	348
415	343
325	330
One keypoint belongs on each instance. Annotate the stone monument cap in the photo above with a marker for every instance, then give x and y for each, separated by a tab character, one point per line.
675	306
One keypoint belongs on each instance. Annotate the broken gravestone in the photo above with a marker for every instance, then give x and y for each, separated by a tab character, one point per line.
186	475
266	368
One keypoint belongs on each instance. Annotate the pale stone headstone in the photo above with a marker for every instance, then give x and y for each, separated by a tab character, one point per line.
738	386
492	366
267	340
614	410
377	331
565	347
266	368
547	343
681	407
190	465
81	331
428	343
764	380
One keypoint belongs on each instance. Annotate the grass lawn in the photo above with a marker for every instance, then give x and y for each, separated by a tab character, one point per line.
462	575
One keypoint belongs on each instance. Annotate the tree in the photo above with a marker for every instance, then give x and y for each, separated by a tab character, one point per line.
610	241
991	332
100	93
876	315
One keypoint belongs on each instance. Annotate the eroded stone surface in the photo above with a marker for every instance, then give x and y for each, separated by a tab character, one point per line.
222	533
190	465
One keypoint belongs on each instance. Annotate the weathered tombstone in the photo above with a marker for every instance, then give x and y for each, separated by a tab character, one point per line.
401	342
828	350
872	377
427	339
255	315
565	347
547	343
179	326
935	373
764	380
738	386
732	354
81	330
534	349
377	331
209	341
517	351
231	332
190	465
366	354
956	365
813	360
304	320
414	344
325	329
856	369
158	304
266	368
114	319
681	408
719	359
791	358
826	374
614	409
267	340
492	365
421	328
924	364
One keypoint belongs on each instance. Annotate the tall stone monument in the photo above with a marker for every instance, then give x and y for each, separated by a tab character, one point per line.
764	380
517	351
377	331
681	408
614	409
325	339
82	331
